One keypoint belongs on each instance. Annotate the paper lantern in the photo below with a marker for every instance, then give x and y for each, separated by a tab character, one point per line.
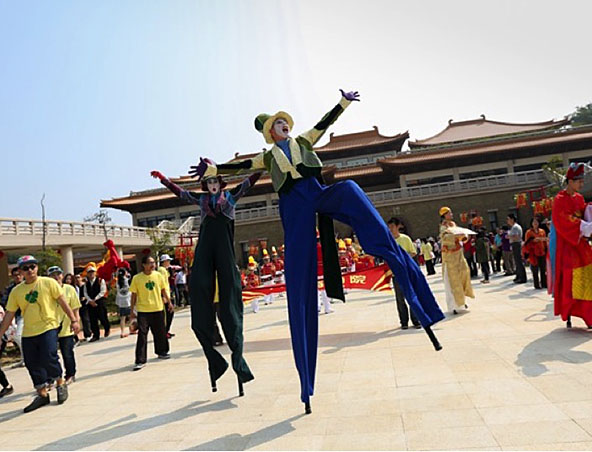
464	217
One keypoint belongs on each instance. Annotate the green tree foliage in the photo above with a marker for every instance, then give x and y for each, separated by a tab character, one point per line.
162	241
555	174
46	259
582	116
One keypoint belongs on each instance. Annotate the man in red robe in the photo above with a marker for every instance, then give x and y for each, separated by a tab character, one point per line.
573	258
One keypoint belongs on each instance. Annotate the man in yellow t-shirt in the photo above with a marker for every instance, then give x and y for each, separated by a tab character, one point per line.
66	335
148	290
165	264
38	298
404	241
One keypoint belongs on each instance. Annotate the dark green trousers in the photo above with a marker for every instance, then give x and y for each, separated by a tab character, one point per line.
214	257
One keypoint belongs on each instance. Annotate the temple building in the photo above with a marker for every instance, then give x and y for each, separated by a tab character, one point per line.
472	166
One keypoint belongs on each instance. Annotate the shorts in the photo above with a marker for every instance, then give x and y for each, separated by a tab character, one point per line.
125	312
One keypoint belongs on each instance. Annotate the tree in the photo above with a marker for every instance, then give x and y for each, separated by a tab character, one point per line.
555	174
582	116
47	258
162	241
101	217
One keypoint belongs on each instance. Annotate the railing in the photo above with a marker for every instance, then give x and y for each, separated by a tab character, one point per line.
525	178
20	227
464	185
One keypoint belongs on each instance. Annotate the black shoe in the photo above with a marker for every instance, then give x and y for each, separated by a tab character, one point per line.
37	402
165	356
454	311
94	339
6	391
520	281
417	327
62	391
404	327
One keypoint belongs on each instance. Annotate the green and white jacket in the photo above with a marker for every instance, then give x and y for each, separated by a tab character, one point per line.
305	161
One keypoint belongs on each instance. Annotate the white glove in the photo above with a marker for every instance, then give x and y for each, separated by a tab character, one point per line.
588	212
586	228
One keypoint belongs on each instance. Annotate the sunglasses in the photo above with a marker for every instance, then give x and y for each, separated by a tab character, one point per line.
26	268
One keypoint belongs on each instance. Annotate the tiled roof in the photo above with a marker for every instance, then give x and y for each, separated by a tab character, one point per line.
361	139
570	135
366	170
481	128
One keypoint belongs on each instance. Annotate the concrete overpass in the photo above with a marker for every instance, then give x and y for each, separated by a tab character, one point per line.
25	236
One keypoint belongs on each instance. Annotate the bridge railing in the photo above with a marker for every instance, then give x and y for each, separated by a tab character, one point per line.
20	227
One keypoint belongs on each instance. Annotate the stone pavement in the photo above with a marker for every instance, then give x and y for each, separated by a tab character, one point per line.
510	376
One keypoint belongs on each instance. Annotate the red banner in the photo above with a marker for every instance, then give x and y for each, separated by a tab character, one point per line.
377	279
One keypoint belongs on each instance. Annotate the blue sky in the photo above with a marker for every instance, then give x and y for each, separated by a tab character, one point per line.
95	94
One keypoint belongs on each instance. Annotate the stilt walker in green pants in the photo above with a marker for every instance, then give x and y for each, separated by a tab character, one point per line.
214	257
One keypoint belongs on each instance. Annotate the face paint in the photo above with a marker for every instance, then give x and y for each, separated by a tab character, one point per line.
281	129
213	186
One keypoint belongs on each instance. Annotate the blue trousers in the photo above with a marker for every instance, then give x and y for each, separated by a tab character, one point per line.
346	202
41	357
67	348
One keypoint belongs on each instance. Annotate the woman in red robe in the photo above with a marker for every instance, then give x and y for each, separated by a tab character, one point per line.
573	259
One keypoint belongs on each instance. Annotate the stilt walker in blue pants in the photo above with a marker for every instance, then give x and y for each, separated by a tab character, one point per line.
296	175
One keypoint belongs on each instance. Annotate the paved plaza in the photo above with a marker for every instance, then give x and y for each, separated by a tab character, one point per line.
510	376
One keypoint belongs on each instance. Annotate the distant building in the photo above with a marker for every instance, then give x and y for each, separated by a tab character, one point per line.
470	165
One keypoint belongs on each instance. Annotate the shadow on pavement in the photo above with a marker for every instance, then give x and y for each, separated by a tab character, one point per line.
11	415
554	346
542	316
116	348
121	427
235	441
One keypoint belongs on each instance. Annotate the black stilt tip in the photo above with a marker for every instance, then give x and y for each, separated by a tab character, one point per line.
307	408
213	382
241	392
568	324
433	338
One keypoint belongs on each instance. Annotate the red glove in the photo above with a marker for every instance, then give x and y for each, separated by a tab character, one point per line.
157	175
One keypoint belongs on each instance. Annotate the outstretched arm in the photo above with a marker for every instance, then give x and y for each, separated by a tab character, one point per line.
178	191
238	191
207	167
315	134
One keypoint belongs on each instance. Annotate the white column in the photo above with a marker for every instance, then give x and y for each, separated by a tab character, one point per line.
67	259
565	158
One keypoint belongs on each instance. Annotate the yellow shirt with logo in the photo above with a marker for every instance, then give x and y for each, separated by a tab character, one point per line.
74	303
165	274
404	241
38	304
148	290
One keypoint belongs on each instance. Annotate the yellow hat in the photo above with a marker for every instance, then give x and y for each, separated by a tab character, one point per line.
265	253
264	123
348	241
273	251
251	260
444	210
341	245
